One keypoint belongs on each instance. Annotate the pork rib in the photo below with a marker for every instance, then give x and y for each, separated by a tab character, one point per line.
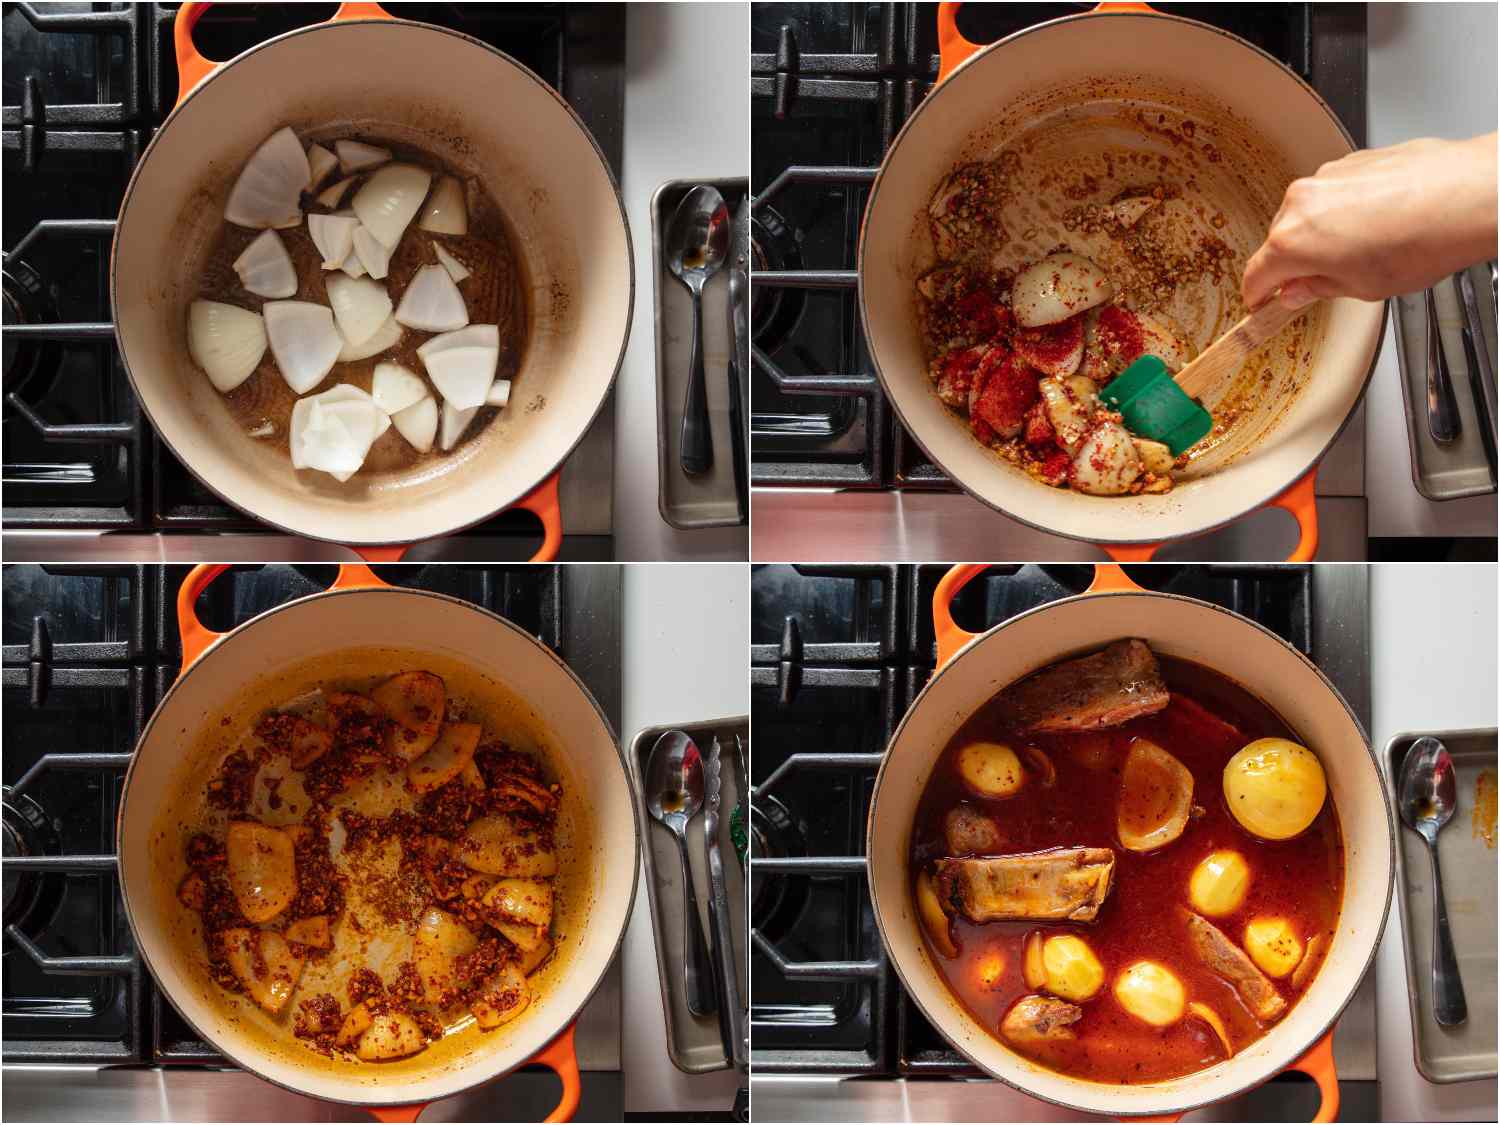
1229	961
1060	885
1105	689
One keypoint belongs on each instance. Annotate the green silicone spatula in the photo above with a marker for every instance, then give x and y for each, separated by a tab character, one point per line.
1155	404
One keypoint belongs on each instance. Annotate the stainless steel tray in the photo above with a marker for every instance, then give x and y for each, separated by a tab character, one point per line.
1451	1054
1444	472
694	1042
706	500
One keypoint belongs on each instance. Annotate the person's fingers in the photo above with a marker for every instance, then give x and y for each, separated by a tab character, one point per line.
1303	291
1268	268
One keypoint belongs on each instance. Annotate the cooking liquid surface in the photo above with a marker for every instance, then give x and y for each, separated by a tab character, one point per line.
494	293
1301	879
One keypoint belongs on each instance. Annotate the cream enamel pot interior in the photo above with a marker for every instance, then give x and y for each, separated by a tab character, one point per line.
1064	71
973	668
448	94
359	611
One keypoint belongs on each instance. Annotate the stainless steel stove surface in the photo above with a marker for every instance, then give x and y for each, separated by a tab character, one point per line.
838	653
88	653
832	84
85	86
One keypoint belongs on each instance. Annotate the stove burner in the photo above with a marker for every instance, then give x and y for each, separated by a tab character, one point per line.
31	899
26	302
774	311
776	901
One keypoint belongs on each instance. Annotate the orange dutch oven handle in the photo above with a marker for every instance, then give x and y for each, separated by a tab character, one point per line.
192	69
954	50
1317	1062
559	1055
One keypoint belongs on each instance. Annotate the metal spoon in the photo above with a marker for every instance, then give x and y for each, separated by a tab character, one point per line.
1426	793
697	242
1442	408
674	794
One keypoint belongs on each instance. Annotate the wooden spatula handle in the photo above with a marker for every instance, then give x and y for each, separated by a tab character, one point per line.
1226	355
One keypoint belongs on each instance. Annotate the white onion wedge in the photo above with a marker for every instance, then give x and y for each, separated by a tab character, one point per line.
332	432
226	341
432	302
388	336
456	269
418	423
360	306
389	199
463	376
446	212
304	341
356	156
353	266
265	268
1058	287
333	195
268	192
394	388
373	255
499	393
455	422
474	336
320	163
333	235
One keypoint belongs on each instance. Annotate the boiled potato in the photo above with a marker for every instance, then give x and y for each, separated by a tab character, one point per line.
1215	1024
262	869
263	962
991	769
499	845
934	920
1219	883
1070	967
1275	788
1273	945
1156	796
1033	969
445	759
415	702
391	1035
504	998
1150	992
440	940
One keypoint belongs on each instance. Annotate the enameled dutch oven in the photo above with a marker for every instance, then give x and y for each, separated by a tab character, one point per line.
1269	127
479	110
219	677
973	668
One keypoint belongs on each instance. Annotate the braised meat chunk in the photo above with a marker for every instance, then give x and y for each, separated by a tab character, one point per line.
1232	963
1105	689
1036	1019
1064	884
970	832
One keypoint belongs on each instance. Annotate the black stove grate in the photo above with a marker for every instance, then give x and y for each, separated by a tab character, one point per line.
85	86
88	653
831	86
838	654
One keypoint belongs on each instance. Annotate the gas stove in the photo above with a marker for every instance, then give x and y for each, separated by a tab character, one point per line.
85	87
831	86
838	654
88	654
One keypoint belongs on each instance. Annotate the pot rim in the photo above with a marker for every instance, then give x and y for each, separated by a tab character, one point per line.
526	71
222	645
971	64
972	646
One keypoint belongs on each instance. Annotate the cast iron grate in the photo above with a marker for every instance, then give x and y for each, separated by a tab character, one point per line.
88	653
838	654
85	87
831	86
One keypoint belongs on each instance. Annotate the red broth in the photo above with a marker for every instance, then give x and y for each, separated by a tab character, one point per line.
1301	879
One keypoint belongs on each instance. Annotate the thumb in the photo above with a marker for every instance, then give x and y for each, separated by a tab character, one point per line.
1303	291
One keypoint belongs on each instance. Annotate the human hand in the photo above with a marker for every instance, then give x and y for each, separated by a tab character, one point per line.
1379	222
